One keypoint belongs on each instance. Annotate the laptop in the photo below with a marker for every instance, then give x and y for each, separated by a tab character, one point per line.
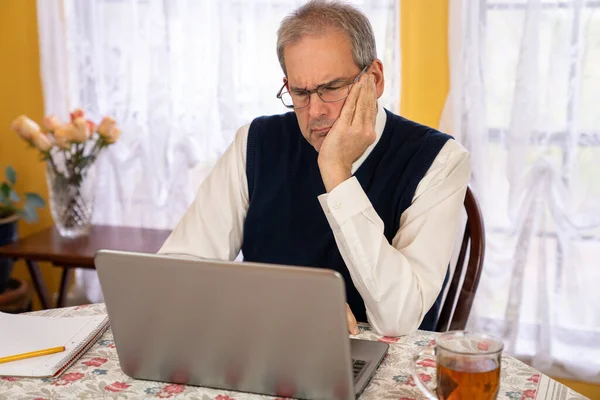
249	327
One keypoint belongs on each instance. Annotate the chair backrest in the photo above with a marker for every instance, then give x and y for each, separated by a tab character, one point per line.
457	306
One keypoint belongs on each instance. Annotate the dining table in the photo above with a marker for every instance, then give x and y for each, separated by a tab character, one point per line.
98	375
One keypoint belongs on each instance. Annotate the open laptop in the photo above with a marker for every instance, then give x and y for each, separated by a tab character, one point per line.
275	330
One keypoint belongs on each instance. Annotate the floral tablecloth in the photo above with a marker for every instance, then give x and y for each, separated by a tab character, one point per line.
97	375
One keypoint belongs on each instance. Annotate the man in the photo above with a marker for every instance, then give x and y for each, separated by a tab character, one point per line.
338	183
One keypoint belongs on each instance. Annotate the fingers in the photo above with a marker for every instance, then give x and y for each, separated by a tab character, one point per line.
349	108
365	105
352	324
370	106
361	102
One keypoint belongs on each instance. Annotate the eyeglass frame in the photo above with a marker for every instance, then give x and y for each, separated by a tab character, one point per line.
316	90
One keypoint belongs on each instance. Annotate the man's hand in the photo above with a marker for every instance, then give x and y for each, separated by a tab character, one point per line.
352	325
351	134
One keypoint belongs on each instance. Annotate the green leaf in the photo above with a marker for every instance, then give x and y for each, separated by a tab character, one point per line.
30	214
34	200
5	190
11	175
13	196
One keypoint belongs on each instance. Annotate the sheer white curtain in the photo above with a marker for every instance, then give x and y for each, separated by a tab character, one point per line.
525	100
180	77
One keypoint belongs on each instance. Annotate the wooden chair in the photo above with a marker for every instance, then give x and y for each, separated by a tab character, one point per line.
455	317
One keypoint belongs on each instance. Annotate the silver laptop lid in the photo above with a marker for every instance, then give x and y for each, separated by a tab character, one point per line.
247	327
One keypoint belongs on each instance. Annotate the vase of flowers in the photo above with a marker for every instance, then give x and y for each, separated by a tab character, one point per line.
69	151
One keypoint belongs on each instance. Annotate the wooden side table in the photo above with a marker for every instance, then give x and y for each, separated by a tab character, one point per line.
48	245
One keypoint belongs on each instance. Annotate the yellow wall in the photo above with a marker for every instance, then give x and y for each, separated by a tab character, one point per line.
425	72
21	93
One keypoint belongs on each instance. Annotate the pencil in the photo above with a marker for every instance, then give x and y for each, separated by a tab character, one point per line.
32	354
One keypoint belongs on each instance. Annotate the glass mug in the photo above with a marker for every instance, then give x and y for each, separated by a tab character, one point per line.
467	366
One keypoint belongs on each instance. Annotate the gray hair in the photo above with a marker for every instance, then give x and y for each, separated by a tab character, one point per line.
317	16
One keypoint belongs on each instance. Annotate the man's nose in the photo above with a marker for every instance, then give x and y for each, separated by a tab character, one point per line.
316	107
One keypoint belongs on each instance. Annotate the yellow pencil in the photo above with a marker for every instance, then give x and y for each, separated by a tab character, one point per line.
32	354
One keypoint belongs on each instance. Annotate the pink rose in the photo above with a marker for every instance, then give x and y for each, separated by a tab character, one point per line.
389	339
168	391
77	113
109	130
73	376
483	346
25	127
117	387
427	363
81	133
64	135
91	126
113	135
174	389
68	378
528	394
534	378
41	141
105	126
95	362
51	123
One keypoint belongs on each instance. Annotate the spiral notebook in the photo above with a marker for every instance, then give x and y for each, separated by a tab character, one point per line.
25	333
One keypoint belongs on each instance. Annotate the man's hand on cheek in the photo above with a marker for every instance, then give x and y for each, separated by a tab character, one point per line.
351	134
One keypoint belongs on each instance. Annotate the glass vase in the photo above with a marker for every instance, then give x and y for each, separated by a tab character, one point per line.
71	200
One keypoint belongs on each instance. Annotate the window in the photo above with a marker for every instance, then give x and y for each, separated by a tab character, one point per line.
529	89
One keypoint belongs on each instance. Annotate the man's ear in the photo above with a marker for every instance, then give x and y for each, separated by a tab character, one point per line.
377	71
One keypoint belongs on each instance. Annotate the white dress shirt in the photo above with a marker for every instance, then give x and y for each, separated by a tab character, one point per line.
399	282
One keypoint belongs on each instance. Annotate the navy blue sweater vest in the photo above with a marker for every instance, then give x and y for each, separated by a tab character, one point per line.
285	223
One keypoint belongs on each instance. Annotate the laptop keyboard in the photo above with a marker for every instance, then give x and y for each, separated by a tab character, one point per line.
357	366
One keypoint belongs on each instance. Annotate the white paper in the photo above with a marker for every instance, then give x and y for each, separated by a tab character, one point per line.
26	333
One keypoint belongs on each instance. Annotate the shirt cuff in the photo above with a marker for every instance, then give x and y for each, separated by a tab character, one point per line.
344	202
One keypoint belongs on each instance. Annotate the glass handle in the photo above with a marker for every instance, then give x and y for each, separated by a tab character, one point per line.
413	370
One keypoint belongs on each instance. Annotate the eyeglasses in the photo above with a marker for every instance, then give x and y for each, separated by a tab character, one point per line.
329	92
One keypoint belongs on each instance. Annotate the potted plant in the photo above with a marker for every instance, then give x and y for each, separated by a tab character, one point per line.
13	208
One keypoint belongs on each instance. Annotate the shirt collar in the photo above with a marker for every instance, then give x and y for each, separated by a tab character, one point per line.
379	126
